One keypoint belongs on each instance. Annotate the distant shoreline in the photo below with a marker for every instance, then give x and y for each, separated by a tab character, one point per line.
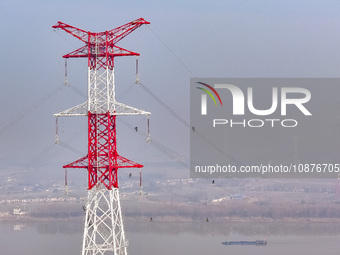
27	218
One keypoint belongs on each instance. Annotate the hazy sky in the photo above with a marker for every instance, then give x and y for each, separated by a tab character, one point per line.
263	38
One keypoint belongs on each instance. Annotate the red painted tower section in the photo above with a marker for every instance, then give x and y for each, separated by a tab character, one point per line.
102	160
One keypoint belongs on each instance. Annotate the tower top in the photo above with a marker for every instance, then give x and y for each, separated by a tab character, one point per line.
101	44
100	49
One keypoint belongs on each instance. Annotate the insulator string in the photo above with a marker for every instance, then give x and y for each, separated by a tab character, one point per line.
140	182
137	75
56	131
66	80
66	187
148	138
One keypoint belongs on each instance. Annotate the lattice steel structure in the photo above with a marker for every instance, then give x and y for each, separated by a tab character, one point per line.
103	230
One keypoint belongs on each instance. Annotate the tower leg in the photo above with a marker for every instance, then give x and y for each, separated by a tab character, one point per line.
104	230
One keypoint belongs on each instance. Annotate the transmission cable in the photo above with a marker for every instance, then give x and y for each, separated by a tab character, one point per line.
29	109
163	104
171	51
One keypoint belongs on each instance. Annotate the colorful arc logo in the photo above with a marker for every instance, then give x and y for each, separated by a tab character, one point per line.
204	97
209	93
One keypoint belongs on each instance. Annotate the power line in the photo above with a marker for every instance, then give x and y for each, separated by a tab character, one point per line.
163	104
182	120
29	109
171	51
159	146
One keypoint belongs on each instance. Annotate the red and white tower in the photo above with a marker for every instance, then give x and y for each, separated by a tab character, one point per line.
103	229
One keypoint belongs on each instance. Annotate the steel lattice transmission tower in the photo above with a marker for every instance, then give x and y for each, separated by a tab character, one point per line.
103	229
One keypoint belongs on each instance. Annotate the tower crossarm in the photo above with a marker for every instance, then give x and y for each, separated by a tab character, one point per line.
116	108
109	50
78	53
78	110
123	109
101	44
76	32
117	34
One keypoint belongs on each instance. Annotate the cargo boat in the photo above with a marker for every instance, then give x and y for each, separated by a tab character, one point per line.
257	242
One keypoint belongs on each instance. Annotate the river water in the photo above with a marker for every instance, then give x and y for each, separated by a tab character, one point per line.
168	238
